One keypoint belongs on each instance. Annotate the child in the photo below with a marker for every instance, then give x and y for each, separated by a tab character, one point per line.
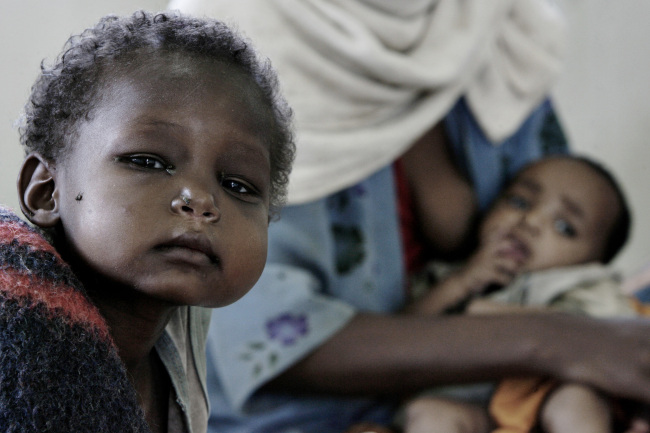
541	247
158	148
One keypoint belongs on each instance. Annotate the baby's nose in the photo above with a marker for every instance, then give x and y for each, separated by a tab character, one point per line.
531	220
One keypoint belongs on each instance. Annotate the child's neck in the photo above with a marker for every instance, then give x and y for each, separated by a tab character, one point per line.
136	322
136	325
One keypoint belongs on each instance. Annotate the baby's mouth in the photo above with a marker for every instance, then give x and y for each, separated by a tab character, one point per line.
516	249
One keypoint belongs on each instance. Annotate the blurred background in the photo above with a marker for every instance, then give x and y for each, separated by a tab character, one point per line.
602	97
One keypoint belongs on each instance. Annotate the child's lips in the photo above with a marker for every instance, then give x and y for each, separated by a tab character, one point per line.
193	248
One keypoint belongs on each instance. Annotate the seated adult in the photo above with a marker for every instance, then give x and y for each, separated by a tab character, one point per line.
410	116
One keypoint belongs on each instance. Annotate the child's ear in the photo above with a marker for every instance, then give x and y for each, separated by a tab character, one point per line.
37	191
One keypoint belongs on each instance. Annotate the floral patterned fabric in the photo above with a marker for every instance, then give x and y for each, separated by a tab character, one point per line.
328	259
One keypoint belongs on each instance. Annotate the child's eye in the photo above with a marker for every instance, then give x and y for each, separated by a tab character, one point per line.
565	228
239	187
148	162
145	161
517	202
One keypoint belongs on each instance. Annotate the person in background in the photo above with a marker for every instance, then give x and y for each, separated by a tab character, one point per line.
542	247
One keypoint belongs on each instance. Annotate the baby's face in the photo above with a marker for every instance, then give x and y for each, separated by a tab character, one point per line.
166	188
558	212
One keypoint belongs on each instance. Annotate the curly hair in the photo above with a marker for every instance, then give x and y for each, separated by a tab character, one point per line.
620	230
65	92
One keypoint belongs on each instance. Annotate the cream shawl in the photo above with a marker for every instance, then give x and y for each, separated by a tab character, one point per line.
366	78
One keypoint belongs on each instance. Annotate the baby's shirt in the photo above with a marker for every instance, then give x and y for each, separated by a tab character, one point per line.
591	289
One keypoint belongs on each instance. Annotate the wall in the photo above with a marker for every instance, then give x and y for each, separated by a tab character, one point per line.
604	99
32	30
602	96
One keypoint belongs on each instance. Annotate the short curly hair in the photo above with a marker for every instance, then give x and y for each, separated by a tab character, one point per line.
64	93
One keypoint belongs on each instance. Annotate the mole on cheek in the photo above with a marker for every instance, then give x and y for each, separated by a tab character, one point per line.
79	196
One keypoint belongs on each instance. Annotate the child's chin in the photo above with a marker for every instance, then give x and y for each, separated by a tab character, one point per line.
194	295
218	303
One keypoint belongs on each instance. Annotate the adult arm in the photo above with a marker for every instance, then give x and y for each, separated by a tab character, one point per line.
378	354
444	199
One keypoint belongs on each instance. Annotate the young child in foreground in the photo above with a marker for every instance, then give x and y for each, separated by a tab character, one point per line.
542	247
158	148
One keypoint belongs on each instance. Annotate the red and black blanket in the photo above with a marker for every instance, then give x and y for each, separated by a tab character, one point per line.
59	368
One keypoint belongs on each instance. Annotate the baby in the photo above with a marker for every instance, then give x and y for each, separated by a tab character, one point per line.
157	151
542	247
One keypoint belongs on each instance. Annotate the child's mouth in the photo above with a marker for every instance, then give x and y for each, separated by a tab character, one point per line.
193	248
516	249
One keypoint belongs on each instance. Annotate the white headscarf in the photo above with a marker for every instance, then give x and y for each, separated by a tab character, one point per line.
367	78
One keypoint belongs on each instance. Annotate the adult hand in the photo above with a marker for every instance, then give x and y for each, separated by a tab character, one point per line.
611	354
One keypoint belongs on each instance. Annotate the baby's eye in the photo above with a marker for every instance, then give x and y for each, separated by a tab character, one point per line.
565	228
517	202
145	161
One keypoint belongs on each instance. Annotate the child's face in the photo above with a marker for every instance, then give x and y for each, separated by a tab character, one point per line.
166	188
558	212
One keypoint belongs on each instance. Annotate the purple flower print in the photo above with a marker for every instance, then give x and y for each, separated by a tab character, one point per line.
287	328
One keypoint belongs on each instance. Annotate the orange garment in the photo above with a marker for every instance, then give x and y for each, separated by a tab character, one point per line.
641	308
516	402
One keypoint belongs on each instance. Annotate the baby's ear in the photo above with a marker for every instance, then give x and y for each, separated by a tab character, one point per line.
37	191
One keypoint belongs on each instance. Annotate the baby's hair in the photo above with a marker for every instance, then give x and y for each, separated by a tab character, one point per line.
620	229
66	92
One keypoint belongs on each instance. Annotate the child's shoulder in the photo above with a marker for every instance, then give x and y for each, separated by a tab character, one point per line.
55	342
33	273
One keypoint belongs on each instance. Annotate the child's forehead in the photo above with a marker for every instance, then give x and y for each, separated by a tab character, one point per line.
568	177
177	89
184	78
559	167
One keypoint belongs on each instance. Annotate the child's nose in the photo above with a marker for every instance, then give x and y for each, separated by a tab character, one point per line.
196	205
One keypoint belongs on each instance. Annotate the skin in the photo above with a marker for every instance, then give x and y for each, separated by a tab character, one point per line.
172	127
436	415
576	408
559	212
444	201
397	354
